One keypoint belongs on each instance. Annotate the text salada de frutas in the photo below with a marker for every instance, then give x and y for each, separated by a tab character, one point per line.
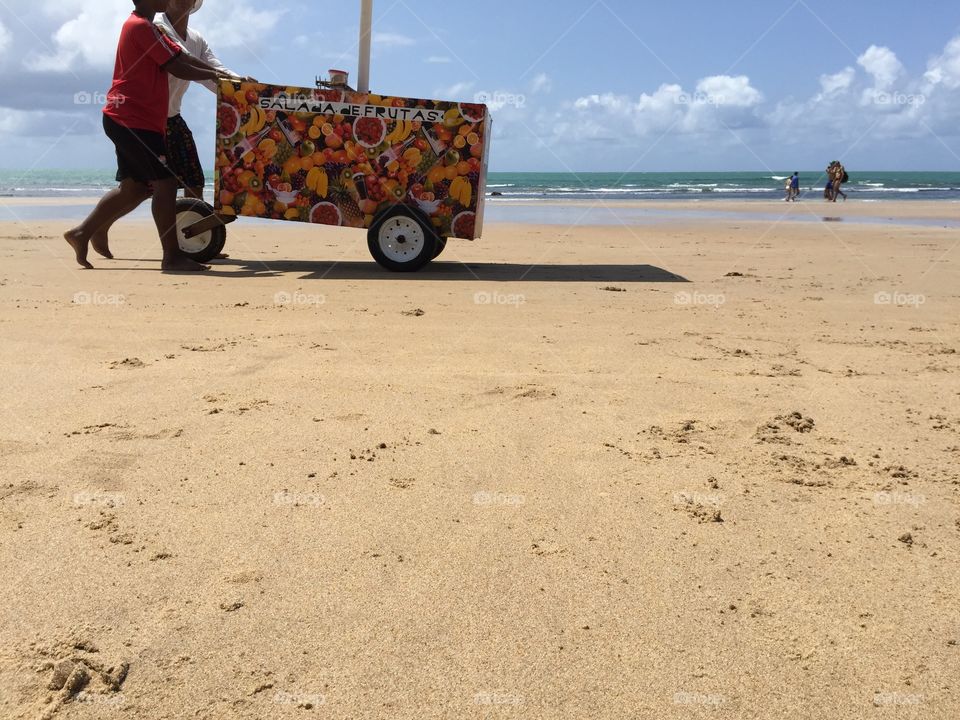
290	104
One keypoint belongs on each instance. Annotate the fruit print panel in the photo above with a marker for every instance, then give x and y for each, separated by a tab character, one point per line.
341	158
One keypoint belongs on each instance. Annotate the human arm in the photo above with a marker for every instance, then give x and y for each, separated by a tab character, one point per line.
186	67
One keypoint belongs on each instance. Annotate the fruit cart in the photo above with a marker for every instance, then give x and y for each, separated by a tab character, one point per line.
410	172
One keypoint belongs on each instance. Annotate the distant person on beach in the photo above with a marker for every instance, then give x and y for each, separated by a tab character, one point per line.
134	119
837	176
182	156
792	187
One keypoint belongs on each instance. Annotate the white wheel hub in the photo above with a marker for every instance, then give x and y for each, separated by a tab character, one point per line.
197	243
401	239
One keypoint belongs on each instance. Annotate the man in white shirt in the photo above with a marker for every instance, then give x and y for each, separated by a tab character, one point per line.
182	150
182	157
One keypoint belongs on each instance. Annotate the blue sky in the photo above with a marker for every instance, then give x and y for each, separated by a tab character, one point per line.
606	85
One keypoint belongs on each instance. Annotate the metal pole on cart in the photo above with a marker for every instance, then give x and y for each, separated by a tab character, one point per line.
366	29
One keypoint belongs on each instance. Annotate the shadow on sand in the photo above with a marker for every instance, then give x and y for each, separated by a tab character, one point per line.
482	272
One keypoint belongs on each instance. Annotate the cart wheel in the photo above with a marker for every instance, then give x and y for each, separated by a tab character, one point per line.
205	246
402	240
441	246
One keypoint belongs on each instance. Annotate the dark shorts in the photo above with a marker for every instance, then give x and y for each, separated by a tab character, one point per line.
182	154
141	154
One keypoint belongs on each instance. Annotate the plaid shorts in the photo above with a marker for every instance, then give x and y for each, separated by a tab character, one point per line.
182	154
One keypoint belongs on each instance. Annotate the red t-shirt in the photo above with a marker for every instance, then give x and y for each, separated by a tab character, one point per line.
138	96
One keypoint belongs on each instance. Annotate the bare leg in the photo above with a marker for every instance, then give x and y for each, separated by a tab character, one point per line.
100	240
165	216
111	206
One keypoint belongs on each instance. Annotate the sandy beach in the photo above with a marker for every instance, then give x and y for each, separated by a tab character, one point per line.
687	469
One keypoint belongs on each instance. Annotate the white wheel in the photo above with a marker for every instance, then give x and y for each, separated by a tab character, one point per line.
401	239
205	246
197	243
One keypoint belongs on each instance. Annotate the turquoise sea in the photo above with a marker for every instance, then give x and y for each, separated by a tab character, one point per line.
514	187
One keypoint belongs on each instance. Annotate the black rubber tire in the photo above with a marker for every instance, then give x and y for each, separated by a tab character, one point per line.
396	222
206	246
441	246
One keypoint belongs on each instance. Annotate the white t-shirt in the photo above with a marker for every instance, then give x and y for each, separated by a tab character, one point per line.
196	46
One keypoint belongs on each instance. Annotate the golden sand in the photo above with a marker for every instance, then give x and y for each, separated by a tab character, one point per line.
698	469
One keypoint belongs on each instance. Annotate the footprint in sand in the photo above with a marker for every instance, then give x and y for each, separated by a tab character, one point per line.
127	363
73	671
779	429
534	392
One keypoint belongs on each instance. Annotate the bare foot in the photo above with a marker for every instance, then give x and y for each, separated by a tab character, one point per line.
182	264
79	244
101	243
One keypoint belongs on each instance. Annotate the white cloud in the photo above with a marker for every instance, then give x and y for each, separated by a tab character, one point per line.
4	38
717	102
541	84
392	40
457	91
945	69
438	60
723	90
838	82
236	24
883	65
13	122
88	39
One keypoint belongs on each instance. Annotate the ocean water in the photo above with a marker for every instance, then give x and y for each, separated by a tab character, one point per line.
514	187
718	186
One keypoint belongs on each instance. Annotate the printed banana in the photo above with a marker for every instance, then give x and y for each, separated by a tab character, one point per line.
318	181
255	123
400	132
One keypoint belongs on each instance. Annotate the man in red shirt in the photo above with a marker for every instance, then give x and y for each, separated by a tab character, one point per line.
135	119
